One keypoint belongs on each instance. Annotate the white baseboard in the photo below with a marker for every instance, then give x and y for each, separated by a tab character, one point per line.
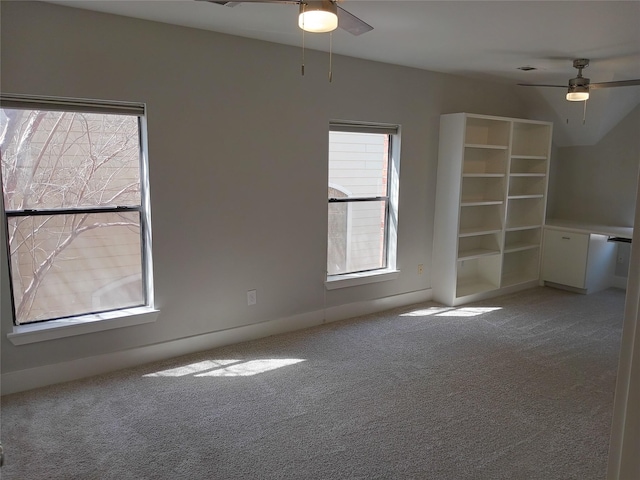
30	378
619	282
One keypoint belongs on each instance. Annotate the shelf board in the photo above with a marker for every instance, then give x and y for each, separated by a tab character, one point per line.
517	278
522	227
483	175
529	157
481	202
476	253
483	145
519	197
519	247
528	175
470	287
476	231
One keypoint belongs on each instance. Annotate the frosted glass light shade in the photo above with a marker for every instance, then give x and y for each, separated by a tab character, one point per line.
318	17
577	96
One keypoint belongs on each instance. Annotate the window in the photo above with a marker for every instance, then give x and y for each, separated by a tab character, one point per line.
362	192
74	183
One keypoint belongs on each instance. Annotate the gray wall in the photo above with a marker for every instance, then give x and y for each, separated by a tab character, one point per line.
597	184
238	162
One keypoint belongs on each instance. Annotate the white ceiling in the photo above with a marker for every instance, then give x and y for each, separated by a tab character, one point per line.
480	39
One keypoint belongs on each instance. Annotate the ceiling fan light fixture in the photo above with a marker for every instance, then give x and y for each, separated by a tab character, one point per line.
578	88
577	96
318	16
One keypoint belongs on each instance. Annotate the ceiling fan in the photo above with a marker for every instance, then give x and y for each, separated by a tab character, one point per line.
317	16
579	87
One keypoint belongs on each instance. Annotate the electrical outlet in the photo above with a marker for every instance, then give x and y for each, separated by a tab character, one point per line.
252	297
420	269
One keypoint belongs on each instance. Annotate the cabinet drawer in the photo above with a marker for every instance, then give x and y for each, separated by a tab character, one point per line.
565	258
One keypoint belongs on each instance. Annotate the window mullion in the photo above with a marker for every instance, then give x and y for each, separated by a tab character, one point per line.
69	211
358	199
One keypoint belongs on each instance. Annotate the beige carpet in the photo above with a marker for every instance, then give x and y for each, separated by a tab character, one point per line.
518	387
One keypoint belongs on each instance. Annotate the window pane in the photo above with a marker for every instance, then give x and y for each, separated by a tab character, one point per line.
69	159
65	265
358	163
356	236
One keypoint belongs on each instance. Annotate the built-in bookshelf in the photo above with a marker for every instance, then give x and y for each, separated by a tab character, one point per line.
490	205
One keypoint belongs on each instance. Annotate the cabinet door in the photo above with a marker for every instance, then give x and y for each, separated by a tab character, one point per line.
565	257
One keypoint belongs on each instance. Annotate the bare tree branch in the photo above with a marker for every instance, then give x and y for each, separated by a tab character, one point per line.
45	266
71	152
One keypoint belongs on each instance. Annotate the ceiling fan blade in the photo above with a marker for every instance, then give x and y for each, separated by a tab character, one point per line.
233	4
621	83
352	24
540	85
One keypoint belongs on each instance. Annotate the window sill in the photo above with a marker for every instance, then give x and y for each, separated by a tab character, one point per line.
68	327
354	279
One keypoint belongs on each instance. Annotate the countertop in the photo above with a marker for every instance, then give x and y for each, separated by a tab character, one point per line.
581	227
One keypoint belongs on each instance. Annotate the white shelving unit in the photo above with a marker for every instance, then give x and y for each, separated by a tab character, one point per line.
490	205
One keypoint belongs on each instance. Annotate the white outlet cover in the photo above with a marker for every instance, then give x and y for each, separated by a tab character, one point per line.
252	297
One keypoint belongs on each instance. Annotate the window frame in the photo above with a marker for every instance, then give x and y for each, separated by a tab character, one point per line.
389	270
99	320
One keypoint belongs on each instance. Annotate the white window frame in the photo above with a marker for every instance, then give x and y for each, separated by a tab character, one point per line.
93	322
390	272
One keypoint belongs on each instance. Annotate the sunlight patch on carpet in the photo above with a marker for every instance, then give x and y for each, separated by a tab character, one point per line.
227	368
451	311
425	312
468	311
252	367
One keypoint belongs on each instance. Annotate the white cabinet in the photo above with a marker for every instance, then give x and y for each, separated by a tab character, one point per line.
490	205
583	261
565	257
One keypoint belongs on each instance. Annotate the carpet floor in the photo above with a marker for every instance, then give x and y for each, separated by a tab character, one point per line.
516	387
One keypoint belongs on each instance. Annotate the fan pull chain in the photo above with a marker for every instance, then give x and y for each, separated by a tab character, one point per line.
584	114
302	66
330	55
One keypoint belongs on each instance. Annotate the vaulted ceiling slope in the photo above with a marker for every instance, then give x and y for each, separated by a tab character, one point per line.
486	40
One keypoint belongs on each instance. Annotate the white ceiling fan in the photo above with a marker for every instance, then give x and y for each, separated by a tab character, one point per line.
317	16
579	87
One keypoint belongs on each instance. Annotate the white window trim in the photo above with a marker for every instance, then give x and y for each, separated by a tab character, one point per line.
346	280
96	322
80	325
334	282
